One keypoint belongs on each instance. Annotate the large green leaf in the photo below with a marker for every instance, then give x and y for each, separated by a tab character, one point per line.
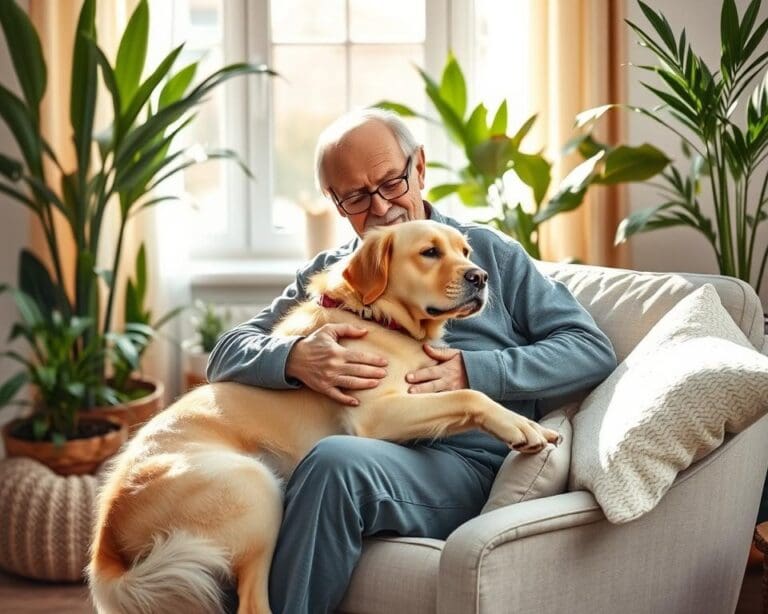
661	25
534	171
26	53
523	130
400	109
132	54
493	156
82	106
643	221
10	168
35	281
141	95
441	191
16	116
626	163
177	85
499	124
476	129
453	123
11	387
453	88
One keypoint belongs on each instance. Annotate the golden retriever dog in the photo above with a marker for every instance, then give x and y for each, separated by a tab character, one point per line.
195	498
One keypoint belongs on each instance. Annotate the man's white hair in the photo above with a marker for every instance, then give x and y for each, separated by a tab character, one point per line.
351	120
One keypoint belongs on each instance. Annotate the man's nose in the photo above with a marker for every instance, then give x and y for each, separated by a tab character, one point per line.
477	277
379	205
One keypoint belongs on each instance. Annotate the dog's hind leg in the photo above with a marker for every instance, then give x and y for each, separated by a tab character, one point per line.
254	534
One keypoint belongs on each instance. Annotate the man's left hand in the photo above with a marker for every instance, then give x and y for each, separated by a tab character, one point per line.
448	374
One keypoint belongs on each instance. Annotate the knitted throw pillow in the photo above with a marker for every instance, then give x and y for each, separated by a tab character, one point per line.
693	378
45	531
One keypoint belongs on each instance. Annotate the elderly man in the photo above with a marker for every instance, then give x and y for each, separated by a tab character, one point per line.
533	341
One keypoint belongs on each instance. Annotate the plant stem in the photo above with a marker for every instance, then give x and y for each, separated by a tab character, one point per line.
113	281
758	211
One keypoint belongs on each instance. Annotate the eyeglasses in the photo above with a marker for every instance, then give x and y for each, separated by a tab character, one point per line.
359	202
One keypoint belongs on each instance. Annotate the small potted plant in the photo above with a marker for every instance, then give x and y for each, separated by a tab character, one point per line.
209	322
82	363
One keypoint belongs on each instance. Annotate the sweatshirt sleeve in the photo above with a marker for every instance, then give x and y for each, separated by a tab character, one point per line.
564	351
248	354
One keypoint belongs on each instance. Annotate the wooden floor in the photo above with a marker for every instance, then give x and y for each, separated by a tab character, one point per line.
19	596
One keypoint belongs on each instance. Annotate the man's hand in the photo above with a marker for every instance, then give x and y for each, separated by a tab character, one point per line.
324	365
448	374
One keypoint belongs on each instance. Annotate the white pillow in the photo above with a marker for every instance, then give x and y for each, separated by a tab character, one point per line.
529	476
694	377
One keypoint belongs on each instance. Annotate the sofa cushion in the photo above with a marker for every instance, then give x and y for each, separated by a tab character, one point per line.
395	574
626	304
694	377
530	476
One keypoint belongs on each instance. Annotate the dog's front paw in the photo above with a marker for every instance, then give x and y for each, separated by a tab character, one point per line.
533	437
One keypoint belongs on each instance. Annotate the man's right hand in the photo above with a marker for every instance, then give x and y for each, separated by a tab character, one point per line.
321	363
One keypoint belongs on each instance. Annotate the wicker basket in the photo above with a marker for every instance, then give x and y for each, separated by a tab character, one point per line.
47	518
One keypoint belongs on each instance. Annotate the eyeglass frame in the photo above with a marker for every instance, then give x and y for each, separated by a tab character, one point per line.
405	176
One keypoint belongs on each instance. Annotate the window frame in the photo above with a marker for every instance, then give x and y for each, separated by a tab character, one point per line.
250	235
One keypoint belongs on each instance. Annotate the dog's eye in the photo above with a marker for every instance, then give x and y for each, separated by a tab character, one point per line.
466	252
431	252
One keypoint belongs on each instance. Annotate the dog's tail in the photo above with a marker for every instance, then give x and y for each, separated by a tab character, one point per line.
179	571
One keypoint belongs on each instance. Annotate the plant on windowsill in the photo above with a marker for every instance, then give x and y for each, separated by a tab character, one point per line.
209	322
79	359
491	154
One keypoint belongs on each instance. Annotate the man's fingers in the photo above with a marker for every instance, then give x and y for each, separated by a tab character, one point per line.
435	385
365	371
350	382
422	375
365	358
347	330
339	396
440	353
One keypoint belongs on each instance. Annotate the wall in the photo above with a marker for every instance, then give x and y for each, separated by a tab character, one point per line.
675	249
14	227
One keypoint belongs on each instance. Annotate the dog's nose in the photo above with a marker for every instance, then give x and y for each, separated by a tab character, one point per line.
477	277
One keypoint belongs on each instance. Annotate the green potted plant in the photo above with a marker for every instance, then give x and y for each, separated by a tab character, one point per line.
722	155
79	357
491	153
209	322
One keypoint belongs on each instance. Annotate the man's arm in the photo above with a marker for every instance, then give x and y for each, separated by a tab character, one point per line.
247	354
566	352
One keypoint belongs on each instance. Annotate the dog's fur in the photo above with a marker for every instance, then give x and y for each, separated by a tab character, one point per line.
196	498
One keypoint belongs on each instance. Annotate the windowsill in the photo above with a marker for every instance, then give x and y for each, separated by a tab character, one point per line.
251	272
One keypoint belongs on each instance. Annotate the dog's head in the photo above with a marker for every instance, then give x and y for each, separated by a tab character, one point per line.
417	273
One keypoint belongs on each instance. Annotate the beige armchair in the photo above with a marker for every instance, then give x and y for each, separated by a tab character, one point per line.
560	554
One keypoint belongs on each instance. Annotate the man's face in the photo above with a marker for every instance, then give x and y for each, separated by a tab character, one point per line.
363	160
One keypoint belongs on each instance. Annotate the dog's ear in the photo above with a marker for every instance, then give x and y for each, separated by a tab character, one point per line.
368	269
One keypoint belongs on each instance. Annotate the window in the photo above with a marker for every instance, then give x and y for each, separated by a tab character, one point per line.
347	53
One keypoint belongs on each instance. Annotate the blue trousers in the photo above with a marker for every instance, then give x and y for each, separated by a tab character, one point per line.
350	487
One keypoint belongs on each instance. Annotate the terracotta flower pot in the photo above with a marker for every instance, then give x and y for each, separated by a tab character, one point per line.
135	413
73	457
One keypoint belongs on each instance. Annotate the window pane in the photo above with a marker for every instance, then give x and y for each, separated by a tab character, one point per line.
392	21
309	97
380	72
304	21
199	22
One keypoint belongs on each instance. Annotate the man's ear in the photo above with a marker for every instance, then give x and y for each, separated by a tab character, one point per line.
368	270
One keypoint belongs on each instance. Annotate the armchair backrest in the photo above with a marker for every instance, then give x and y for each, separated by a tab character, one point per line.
626	304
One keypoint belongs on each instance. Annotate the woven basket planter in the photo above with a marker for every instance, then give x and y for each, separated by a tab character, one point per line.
47	521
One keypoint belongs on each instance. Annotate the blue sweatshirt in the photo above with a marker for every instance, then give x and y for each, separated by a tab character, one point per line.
532	341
